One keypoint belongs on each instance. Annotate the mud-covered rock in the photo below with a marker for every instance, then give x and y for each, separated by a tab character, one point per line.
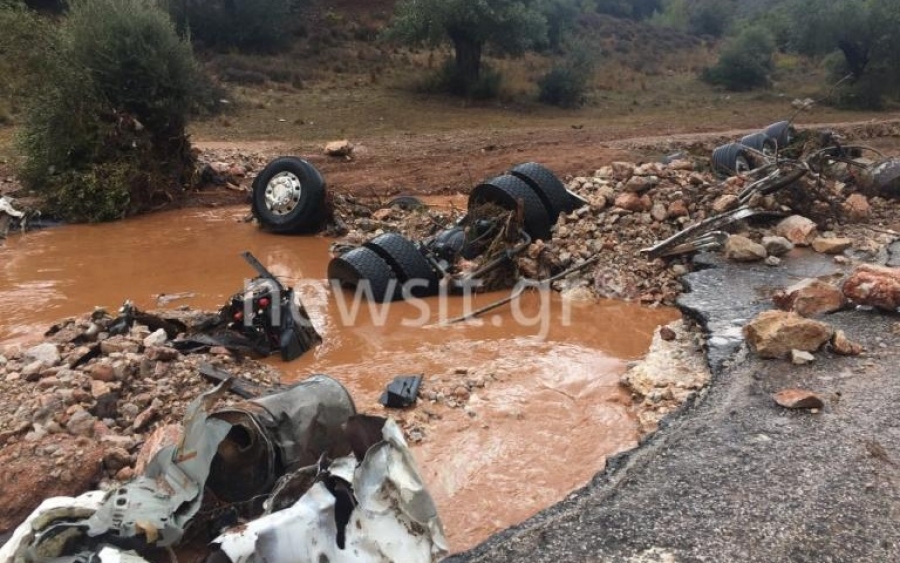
843	346
777	246
774	334
810	297
875	286
797	229
798	399
831	245
857	208
739	248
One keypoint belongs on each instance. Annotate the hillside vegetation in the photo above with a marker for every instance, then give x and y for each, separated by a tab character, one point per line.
305	70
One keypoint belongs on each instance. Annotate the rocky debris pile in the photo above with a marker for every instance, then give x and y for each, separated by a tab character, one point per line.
357	219
791	333
632	207
674	369
76	408
228	167
457	389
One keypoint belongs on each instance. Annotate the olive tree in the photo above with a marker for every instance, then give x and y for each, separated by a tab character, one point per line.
864	34
509	26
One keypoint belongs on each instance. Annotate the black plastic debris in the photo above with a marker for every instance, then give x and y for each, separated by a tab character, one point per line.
401	392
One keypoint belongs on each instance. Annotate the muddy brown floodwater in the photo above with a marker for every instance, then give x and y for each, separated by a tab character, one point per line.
543	424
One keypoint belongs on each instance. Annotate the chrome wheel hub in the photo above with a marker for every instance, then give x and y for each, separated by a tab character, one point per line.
283	193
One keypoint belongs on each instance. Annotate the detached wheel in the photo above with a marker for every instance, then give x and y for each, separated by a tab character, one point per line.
407	203
363	265
407	262
761	142
547	186
506	191
449	244
289	196
782	132
731	159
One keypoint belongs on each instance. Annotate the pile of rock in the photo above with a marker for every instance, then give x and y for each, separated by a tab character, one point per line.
357	220
73	415
228	167
632	207
793	333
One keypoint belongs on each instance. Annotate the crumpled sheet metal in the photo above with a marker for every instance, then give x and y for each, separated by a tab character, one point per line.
47	513
288	430
159	504
152	509
882	178
391	517
6	206
395	519
7	213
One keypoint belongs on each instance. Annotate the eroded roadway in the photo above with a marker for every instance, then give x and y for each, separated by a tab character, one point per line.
735	478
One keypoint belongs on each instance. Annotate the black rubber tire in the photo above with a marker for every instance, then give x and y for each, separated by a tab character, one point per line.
308	215
547	186
361	263
782	132
407	261
731	159
761	142
407	202
506	191
449	243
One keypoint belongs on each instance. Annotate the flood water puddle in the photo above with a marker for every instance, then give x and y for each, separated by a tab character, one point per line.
549	414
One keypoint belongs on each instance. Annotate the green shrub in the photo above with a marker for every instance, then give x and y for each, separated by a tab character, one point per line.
566	83
105	134
248	25
710	17
745	62
868	92
449	80
25	38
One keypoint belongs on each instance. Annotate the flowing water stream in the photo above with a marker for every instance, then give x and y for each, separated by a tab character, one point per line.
550	415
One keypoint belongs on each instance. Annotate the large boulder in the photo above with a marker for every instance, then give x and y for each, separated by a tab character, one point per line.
810	297
875	286
774	334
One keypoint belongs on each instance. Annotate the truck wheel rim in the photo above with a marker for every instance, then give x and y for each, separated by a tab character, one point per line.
283	193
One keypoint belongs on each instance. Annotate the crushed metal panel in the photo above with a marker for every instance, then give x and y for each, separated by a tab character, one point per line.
279	433
50	511
882	178
160	503
309	419
395	518
6	206
113	555
7	214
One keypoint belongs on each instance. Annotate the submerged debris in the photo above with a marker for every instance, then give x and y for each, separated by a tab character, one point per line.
7	214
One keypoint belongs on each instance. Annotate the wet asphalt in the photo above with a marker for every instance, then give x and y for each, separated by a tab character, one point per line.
733	477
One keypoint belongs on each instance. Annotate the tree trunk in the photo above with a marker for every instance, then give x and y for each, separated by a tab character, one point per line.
856	55
468	57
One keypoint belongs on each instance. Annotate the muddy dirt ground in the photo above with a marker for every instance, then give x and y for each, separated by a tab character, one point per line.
453	163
